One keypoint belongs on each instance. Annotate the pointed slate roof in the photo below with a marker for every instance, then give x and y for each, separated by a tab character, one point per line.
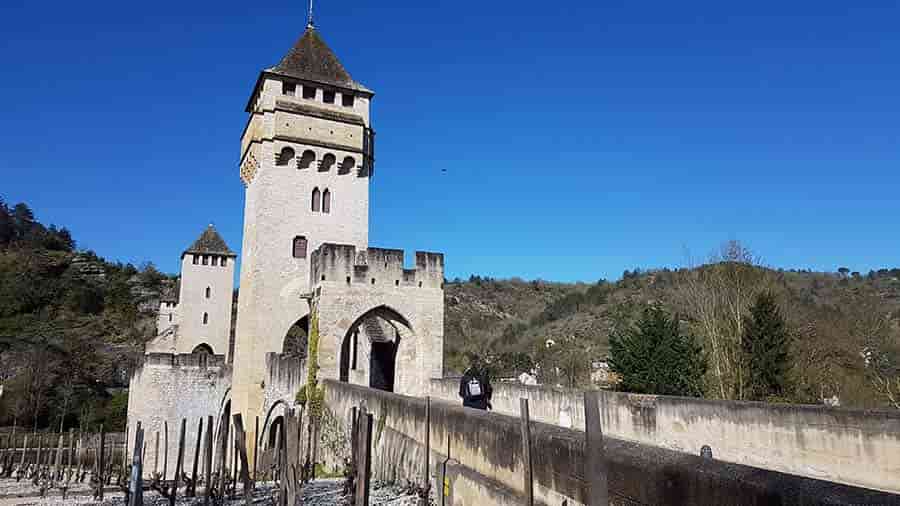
311	59
210	243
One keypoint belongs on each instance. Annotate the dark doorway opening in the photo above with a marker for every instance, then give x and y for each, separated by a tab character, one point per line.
296	339
274	431
383	365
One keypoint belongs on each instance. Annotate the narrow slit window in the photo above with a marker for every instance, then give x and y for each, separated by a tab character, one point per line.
205	318
326	201
316	200
208	292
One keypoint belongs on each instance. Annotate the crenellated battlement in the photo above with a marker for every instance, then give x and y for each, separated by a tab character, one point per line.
375	266
181	360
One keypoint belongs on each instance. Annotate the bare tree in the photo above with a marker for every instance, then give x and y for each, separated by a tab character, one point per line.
718	295
38	378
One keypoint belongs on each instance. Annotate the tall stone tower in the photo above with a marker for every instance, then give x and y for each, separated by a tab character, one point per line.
306	161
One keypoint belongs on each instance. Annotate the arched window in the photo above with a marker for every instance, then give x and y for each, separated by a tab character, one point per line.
300	247
208	292
316	201
347	165
205	318
286	155
203	349
307	159
326	201
328	162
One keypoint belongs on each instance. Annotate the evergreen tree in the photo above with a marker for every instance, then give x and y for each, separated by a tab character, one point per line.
23	219
6	224
766	347
654	357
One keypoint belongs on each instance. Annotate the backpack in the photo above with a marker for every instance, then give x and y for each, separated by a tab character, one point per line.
473	387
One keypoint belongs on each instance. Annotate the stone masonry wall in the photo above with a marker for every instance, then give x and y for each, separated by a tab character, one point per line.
351	283
167	388
855	447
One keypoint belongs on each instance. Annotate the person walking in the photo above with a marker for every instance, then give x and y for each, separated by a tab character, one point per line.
475	388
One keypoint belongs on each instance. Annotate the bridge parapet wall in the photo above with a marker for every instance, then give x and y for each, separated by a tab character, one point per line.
486	467
855	447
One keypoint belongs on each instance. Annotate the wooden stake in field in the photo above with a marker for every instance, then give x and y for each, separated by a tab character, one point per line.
37	459
125	449
526	452
291	450
102	464
80	451
426	472
156	454
207	460
165	450
179	467
24	451
135	485
255	448
354	435
364	454
57	464
197	448
71	449
222	459
241	440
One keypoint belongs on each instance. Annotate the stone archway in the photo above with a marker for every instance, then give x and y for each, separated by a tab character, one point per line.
370	349
274	414
203	348
296	338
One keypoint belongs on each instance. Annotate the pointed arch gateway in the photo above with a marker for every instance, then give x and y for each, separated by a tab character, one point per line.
370	349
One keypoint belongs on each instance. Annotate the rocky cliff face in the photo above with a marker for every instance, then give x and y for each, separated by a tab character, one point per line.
88	269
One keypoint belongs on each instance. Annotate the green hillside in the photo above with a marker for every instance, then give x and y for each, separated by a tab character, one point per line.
838	322
71	326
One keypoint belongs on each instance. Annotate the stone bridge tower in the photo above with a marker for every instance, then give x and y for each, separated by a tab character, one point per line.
306	161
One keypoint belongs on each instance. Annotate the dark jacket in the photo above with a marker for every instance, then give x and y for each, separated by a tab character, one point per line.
478	402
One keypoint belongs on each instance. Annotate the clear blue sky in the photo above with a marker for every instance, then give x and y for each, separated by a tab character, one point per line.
579	138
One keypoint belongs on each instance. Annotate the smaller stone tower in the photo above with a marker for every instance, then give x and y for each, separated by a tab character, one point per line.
205	299
199	319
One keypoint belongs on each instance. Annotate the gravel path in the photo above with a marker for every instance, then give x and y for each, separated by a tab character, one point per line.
318	493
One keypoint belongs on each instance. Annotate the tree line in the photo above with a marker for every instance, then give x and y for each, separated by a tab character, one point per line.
72	326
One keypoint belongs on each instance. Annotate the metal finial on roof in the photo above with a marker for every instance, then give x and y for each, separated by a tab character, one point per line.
309	18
